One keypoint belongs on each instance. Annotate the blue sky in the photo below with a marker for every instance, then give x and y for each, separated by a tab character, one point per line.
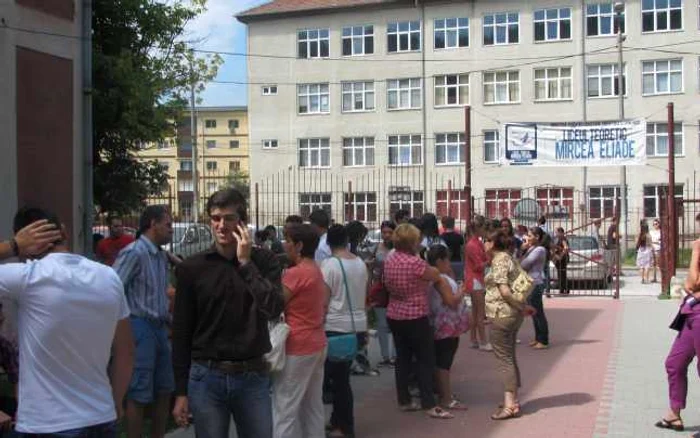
220	31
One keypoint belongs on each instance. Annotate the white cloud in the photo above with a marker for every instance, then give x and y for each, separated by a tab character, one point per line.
218	28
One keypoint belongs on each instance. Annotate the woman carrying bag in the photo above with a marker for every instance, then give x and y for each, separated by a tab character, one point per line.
346	276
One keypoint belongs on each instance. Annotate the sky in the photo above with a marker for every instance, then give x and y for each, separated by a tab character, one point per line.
220	31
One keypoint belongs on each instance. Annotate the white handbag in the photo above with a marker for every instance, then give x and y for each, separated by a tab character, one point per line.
278	338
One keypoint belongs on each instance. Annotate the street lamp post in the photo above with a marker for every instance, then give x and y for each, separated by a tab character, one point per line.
619	9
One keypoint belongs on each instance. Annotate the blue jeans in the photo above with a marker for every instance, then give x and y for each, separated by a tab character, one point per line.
106	430
215	396
153	366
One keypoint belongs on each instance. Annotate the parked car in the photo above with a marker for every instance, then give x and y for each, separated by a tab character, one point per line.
103	230
189	239
368	247
589	262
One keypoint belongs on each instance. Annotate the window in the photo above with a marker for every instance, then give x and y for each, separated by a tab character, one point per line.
314	152
313	99
164	166
600	20
358	151
211	165
403	36
211	144
269	144
501	28
556	202
269	90
308	202
403	198
234	166
501	202
662	77
361	207
212	187
662	15
404	93
654	198
358	96
451	33
185	208
233	124
449	148
553	24
211	123
502	87
451	203
657	139
358	40
233	144
185	185
553	83
313	43
186	166
405	150
602	201
603	80
452	90
491	147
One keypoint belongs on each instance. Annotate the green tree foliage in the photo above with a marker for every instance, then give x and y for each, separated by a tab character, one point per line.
143	69
240	181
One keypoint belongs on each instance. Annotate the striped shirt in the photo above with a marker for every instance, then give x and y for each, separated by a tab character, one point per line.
143	268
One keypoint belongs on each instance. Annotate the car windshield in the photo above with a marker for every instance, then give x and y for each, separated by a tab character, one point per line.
581	243
178	232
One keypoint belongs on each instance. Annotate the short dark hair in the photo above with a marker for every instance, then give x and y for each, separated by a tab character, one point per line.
229	198
319	217
387	224
28	215
337	236
416	222
437	252
356	231
305	234
294	219
152	213
271	230
400	215
542	220
448	222
500	239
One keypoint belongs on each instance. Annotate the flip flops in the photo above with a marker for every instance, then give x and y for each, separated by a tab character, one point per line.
675	425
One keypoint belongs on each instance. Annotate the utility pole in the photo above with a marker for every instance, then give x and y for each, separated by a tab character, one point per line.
671	195
193	136
468	162
619	9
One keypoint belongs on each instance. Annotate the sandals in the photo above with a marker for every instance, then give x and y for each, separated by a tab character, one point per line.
506	413
455	405
532	343
439	414
675	425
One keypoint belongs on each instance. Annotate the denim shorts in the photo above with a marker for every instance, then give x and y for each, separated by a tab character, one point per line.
153	365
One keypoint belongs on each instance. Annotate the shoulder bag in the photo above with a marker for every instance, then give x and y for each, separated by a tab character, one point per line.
343	348
523	284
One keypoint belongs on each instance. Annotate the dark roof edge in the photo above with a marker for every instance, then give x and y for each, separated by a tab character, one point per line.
246	18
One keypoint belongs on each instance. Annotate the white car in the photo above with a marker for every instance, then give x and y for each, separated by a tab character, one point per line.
588	262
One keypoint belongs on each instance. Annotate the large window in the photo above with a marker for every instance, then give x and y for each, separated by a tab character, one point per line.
556	202
404	198
449	148
502	87
211	165
452	90
451	33
553	83
451	203
491	149
358	96
662	77
314	152
313	43
602	80
358	151
600	20
185	184
234	166
308	202
313	98
405	150
501	202
662	15
501	28
358	40
186	166
361	206
602	201
553	24
657	139
403	36
404	93
654	198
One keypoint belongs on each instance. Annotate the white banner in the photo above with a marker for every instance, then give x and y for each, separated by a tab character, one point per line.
599	144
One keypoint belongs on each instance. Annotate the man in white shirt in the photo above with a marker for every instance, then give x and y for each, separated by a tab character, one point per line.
71	312
320	221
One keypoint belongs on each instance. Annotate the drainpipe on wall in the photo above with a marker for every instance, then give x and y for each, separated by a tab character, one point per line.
424	107
88	210
584	100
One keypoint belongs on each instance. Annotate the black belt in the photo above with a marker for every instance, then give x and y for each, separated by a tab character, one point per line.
236	366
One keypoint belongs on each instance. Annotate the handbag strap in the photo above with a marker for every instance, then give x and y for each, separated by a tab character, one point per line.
347	294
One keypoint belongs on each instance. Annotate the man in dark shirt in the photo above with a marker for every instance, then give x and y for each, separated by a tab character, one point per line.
225	298
452	239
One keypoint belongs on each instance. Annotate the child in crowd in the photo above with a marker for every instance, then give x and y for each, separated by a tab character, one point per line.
449	321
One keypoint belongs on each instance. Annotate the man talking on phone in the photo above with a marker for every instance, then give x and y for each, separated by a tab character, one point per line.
225	298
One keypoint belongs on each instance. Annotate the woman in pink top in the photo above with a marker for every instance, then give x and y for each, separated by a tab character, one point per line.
475	261
297	401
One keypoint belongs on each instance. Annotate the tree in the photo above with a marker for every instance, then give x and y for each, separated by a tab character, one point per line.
240	181
142	74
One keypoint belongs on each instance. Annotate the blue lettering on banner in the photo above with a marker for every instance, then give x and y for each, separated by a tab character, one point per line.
574	150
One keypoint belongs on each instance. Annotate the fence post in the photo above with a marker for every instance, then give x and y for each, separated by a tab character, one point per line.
257	207
666	250
671	193
347	214
618	249
468	160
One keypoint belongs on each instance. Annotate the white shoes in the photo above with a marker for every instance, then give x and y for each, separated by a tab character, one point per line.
486	347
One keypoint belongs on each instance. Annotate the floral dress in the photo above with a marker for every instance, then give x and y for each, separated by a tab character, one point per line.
447	322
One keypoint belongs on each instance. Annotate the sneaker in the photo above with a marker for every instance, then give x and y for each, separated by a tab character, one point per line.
486	347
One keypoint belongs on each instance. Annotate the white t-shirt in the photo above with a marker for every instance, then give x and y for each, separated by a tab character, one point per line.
68	308
323	251
338	317
655	239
